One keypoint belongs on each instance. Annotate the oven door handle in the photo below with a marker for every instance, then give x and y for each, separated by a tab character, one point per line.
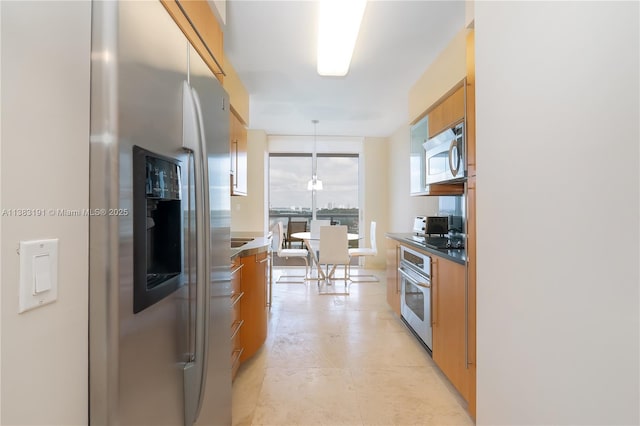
413	280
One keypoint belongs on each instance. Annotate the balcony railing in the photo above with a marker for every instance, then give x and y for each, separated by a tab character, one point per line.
348	218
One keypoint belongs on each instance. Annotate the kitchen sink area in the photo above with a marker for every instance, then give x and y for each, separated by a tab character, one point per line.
246	245
239	242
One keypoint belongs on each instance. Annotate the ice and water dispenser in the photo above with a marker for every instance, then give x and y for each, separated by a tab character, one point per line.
157	227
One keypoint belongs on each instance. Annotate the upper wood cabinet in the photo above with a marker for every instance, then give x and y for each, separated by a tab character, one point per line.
203	27
448	112
238	155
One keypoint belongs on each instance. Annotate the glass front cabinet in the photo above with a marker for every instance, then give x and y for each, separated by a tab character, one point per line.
417	157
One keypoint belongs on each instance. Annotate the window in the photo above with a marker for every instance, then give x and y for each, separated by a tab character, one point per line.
289	198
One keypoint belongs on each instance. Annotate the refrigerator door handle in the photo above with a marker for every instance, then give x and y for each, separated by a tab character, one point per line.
206	214
195	370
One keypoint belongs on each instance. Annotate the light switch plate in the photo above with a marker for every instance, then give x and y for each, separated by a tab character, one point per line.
38	273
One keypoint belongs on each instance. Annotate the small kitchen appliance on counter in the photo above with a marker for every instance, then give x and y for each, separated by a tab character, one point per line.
435	232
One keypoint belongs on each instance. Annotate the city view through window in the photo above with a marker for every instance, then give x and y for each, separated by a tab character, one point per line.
289	199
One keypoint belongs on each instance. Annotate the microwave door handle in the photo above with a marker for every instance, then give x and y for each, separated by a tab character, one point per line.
454	151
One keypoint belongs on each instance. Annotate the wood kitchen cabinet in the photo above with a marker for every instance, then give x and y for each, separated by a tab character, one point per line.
470	113
253	305
236	315
417	157
447	112
449	319
238	155
393	280
471	291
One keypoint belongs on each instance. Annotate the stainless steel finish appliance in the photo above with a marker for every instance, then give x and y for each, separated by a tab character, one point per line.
415	302
159	304
445	156
420	225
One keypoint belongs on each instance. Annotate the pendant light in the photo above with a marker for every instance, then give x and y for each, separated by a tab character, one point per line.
314	184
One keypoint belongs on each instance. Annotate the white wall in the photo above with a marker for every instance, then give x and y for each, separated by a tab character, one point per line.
447	70
402	208
374	175
248	213
557	213
44	164
1	206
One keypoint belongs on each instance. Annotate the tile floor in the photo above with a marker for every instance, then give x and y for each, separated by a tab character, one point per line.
341	360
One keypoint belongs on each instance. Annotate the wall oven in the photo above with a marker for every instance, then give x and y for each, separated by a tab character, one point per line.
415	304
445	156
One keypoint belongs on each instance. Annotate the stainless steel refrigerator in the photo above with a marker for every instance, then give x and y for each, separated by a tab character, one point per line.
160	314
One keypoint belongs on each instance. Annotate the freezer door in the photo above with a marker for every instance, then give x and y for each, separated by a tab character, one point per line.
139	64
214	104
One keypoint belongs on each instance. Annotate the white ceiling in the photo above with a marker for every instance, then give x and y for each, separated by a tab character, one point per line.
271	44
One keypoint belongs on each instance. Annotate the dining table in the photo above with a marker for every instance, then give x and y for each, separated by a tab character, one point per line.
312	246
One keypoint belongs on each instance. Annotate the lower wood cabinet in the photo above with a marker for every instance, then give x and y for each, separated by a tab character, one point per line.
452	316
393	280
450	348
254	303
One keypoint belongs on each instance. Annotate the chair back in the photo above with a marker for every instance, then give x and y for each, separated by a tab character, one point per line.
315	227
293	227
334	245
372	237
278	242
275	237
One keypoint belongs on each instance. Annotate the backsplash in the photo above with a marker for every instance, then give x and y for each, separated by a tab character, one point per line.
454	207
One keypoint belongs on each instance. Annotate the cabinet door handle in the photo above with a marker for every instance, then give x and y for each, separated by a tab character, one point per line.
397	263
262	260
237	354
237	324
434	302
235	297
237	269
235	181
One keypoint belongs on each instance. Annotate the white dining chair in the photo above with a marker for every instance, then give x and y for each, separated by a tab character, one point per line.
287	253
315	225
365	251
334	250
314	232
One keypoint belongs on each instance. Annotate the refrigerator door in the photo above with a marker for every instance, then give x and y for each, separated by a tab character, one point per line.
139	64
214	108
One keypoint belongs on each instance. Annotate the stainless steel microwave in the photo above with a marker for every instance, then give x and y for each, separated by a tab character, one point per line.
445	156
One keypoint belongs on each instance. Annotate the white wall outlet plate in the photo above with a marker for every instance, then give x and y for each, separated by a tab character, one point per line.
38	273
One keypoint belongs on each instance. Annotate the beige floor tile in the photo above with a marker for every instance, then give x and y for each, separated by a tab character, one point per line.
308	396
341	360
406	396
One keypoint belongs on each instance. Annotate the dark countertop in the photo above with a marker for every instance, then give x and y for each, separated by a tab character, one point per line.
455	255
258	245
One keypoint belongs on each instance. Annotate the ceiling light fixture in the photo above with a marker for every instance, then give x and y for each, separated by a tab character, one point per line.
314	184
338	27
